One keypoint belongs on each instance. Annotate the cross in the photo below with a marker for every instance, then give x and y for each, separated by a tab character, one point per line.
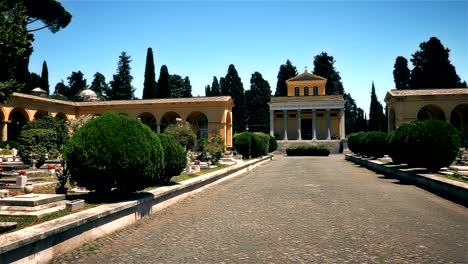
305	68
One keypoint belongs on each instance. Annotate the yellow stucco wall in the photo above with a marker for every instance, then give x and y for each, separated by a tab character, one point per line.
310	84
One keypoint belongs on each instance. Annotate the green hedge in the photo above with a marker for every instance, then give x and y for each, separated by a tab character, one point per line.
212	149
242	143
259	144
273	144
10	143
320	150
370	144
114	151
175	157
39	141
431	144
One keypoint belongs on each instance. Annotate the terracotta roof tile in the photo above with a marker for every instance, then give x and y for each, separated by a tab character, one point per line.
455	91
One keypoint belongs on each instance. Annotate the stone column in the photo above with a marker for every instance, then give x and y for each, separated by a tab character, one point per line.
342	124
328	124
4	125
314	117
272	123
299	123
285	124
158	128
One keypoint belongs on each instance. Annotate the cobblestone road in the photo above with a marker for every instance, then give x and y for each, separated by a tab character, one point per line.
295	210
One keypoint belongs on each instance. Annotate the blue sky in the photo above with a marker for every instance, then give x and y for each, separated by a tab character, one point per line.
200	39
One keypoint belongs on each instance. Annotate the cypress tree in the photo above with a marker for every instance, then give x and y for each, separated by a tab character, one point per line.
188	87
257	104
286	71
164	84
232	86
121	85
45	77
99	85
376	115
207	90
77	83
215	89
432	67
401	73
323	66
149	85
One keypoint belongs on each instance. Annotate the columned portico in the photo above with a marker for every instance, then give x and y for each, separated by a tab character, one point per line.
314	118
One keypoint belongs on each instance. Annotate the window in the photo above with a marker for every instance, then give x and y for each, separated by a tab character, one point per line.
315	90
306	91
296	91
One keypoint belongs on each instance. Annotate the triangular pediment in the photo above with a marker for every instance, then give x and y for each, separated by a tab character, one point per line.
306	76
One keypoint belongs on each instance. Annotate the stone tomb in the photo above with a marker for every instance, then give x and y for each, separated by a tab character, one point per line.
35	205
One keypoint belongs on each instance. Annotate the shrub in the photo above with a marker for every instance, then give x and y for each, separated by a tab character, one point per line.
375	144
48	122
320	150
39	141
10	144
212	149
114	151
242	143
431	144
273	144
259	144
175	157
184	133
354	142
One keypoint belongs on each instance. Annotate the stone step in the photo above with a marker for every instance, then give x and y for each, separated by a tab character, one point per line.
36	214
31	208
32	199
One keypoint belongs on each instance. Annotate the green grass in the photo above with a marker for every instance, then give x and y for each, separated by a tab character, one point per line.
456	177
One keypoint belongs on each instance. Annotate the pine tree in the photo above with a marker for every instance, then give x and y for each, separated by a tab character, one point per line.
45	77
207	90
257	104
177	86
149	85
76	83
99	85
232	86
188	87
60	91
401	73
121	84
323	66
215	89
286	71
376	115
164	83
432	67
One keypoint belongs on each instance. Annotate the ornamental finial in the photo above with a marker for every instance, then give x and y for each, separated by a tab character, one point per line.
305	69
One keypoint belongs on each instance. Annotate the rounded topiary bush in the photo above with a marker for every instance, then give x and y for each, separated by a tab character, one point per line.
242	143
114	151
175	157
38	141
354	142
375	144
397	143
273	144
259	144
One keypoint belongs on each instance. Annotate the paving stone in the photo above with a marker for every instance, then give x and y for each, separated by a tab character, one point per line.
295	210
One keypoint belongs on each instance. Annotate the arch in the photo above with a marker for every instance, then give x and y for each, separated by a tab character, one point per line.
169	118
431	112
149	120
200	121
62	116
40	114
391	120
17	119
459	119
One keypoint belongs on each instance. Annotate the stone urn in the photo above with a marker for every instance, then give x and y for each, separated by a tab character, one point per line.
28	188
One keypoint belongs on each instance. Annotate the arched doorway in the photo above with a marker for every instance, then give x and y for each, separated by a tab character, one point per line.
149	120
17	119
431	112
61	116
459	119
39	114
200	121
169	118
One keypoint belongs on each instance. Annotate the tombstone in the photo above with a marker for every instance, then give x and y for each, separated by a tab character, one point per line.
75	205
21	181
15	152
4	193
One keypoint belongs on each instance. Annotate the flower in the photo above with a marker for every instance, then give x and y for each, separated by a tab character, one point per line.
22	172
196	162
50	167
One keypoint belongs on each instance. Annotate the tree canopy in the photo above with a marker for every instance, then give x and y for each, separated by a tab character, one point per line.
432	67
401	73
45	77
121	84
149	85
258	109
286	71
232	86
50	12
376	115
76	83
177	86
215	89
99	85
164	83
324	67
188	87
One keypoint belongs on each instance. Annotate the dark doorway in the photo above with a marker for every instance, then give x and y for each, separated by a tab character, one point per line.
306	129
